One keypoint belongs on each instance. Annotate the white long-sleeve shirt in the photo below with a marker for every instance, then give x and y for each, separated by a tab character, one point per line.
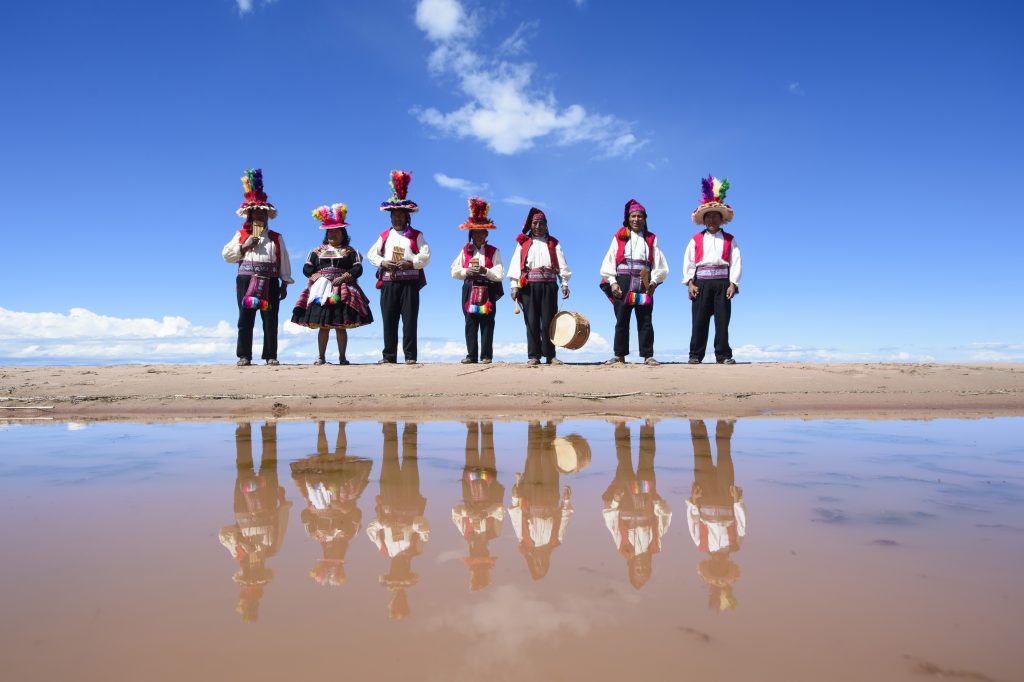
494	273
461	514
718	531
395	238
636	249
639	537
540	528
264	251
713	244
397	540
538	257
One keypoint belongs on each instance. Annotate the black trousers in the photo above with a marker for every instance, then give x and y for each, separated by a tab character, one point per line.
714	480
247	320
400	300
711	302
540	303
644	326
482	325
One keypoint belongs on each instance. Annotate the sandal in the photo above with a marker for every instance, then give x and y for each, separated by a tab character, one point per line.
319	361
343	361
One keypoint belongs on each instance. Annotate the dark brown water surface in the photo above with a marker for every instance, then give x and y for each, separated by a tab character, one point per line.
582	550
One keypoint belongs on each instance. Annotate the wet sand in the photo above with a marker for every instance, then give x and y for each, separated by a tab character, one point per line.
436	390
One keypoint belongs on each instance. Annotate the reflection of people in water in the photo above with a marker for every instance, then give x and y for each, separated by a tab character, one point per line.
636	515
479	518
715	512
539	513
331	485
400	528
261	518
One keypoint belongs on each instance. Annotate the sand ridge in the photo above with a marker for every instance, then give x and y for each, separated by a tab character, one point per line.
451	390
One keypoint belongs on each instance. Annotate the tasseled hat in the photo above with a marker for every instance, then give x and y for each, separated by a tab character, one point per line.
399	188
528	225
478	220
713	199
631	206
255	197
331	216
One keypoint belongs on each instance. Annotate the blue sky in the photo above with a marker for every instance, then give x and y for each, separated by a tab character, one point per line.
873	149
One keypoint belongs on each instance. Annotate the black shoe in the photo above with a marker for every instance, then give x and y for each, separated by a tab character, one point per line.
693	361
727	361
410	362
385	361
485	361
343	361
243	362
468	361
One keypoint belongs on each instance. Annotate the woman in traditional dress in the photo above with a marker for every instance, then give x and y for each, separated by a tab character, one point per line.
332	298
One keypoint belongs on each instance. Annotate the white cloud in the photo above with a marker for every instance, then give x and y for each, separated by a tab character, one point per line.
995	352
244	6
81	335
442	19
516	43
795	88
523	201
467	187
504	110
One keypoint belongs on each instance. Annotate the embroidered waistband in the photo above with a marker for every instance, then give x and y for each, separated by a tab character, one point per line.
631	266
331	272
541	275
261	268
401	275
712	272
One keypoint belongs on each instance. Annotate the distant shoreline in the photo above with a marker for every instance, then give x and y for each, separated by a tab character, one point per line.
514	391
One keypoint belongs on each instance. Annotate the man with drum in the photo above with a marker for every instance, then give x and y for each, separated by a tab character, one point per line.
633	268
534	271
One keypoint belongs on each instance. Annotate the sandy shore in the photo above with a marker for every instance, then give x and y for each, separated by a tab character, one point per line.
445	391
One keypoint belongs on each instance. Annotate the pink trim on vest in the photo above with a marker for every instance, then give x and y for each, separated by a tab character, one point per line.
698	243
524	251
620	248
467	255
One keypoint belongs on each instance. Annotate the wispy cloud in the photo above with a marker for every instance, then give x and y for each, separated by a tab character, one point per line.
995	352
467	187
504	110
516	43
794	88
523	201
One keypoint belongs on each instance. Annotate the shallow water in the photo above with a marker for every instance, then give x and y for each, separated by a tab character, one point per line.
856	551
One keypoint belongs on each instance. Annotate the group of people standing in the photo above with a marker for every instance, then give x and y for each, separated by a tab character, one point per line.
633	268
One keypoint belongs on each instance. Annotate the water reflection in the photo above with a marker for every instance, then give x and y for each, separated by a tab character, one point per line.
261	518
540	511
635	514
715	512
481	515
331	484
400	529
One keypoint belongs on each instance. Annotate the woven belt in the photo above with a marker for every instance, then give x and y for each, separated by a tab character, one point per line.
713	272
541	275
261	268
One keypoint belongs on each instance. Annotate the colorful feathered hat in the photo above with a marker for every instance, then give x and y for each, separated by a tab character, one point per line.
631	206
713	199
399	188
478	220
331	216
255	197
